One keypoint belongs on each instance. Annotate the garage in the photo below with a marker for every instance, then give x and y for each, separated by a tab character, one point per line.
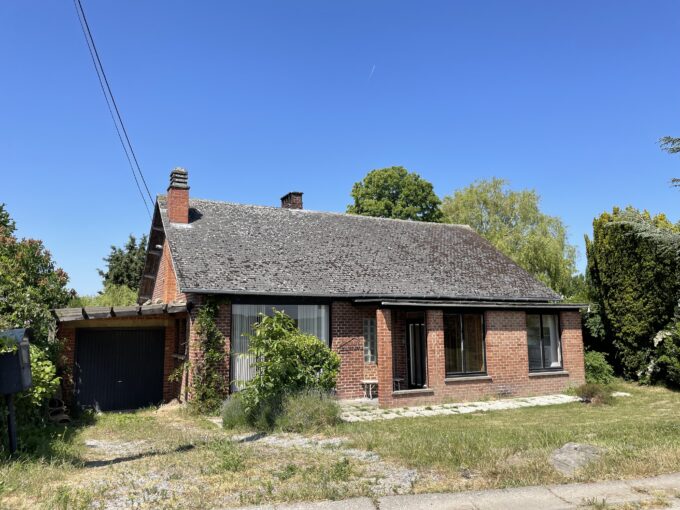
119	369
122	357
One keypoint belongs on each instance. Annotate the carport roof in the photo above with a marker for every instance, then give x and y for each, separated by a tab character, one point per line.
108	312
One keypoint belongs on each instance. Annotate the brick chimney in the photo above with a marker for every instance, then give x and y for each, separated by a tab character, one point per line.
292	200
178	196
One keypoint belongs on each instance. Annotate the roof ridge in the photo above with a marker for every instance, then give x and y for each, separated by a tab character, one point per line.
330	213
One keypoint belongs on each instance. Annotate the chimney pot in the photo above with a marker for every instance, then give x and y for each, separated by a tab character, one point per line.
178	196
292	200
179	178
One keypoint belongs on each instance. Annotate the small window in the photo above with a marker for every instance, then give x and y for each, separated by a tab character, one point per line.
543	337
370	341
464	351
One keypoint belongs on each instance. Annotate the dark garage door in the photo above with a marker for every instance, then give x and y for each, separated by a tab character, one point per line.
119	368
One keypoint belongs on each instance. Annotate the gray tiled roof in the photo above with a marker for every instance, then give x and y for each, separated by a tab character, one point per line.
234	248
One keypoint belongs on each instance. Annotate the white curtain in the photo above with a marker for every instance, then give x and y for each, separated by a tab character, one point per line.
244	317
313	320
551	341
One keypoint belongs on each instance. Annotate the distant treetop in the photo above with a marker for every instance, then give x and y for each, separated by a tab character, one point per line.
395	192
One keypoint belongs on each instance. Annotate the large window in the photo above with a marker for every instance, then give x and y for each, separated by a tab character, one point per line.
464	344
543	336
311	319
370	340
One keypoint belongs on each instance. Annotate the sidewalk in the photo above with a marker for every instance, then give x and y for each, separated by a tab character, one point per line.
657	492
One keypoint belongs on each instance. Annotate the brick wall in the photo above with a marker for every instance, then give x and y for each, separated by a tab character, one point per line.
165	287
178	205
506	355
347	330
223	322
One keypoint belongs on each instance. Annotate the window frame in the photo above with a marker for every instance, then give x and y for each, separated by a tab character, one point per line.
558	325
464	372
373	327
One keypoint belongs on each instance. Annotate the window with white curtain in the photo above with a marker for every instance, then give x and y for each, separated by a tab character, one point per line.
310	319
543	337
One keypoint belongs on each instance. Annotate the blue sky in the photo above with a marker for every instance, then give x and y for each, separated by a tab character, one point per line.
259	98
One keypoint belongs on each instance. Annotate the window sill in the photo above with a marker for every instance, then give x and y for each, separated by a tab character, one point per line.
464	378
548	373
416	391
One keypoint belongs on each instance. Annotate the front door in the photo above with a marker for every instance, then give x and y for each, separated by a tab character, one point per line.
416	351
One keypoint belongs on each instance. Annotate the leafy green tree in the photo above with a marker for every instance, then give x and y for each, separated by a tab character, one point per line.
513	222
30	282
634	269
395	192
672	146
124	266
112	295
30	285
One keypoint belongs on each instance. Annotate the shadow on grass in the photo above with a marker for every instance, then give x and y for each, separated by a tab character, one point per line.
136	456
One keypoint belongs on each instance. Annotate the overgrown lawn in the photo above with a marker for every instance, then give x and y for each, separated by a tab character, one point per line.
640	436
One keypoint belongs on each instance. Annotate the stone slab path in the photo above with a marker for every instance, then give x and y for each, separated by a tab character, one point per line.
657	492
367	410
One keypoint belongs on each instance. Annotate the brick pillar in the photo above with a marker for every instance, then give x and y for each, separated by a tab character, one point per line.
572	346
385	374
223	322
436	370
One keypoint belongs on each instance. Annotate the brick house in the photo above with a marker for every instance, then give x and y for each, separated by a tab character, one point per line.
420	312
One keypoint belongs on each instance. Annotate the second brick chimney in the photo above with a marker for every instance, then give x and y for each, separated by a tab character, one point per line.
292	200
178	196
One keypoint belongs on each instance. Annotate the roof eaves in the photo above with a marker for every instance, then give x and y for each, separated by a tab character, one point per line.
367	297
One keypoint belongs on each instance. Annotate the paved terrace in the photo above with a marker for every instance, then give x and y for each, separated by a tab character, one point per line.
368	410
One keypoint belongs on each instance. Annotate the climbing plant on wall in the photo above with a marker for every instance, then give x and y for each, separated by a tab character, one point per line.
208	385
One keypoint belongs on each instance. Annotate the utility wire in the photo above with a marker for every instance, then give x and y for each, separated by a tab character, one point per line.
112	106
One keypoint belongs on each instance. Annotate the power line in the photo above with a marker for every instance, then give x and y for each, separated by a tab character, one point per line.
112	106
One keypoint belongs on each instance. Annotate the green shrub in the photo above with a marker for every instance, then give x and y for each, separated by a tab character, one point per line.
112	295
288	362
31	403
665	366
595	393
230	457
308	411
598	370
233	413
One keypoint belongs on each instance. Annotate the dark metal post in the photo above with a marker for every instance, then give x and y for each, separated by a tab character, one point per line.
11	424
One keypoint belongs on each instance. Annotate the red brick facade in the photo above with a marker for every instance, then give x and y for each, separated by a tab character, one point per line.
347	332
506	354
165	287
505	339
